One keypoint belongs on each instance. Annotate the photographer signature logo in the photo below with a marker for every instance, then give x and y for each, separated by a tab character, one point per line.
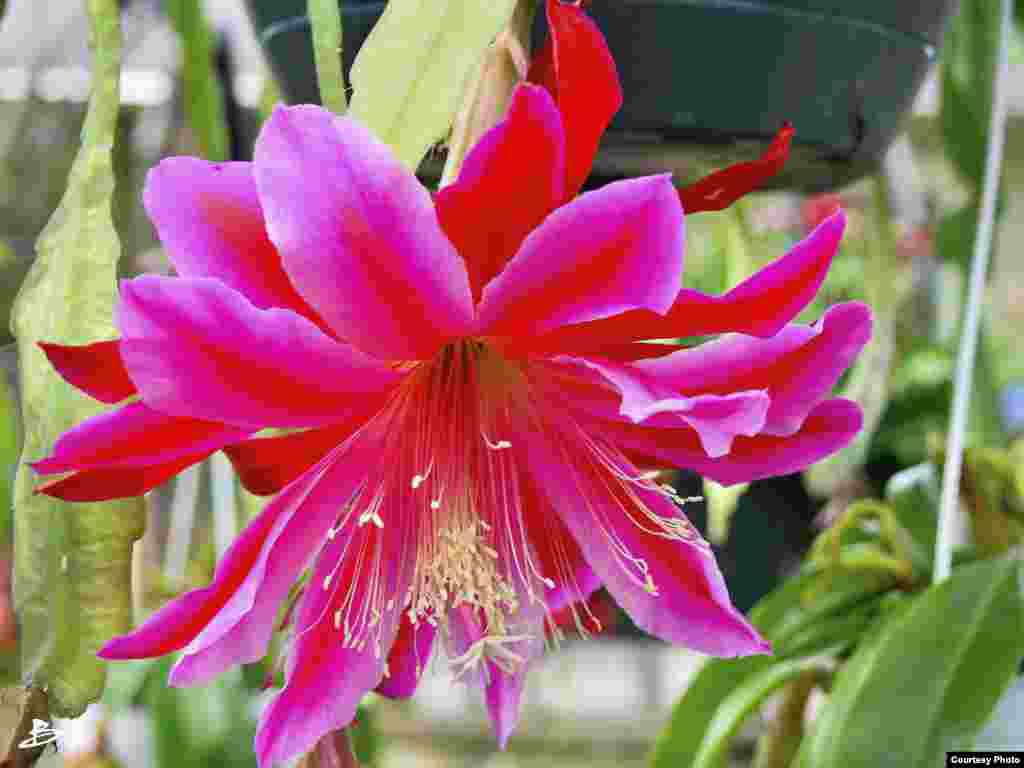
41	735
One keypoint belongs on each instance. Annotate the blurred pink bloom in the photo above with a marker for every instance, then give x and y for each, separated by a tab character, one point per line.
472	397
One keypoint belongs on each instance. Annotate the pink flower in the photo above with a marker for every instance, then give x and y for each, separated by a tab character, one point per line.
471	395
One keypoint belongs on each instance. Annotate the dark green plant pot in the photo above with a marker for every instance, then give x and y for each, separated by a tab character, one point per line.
708	82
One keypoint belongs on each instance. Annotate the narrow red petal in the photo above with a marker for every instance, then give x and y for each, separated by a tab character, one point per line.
265	465
722	188
118	482
96	369
578	69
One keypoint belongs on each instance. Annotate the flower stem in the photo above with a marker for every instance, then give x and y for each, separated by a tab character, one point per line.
325	19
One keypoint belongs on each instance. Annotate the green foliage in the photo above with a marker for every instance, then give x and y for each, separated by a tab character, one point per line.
325	19
411	72
204	98
72	562
928	679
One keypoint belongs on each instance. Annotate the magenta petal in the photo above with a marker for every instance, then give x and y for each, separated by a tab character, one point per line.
348	596
117	482
830	426
209	220
359	236
96	369
616	249
670	587
197	348
407	659
759	306
493	174
797	367
717	419
134	435
305	510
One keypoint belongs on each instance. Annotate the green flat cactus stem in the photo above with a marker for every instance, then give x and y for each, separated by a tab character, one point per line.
72	562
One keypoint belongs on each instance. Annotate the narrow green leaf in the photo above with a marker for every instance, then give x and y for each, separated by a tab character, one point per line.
927	682
72	562
745	699
325	18
204	99
411	72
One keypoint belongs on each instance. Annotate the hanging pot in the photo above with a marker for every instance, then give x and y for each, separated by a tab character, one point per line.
709	82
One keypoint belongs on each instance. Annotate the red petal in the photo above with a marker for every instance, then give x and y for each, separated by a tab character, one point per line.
265	465
116	483
96	369
493	174
578	69
722	188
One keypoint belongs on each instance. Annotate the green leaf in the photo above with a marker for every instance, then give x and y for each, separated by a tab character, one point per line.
745	699
204	99
325	19
928	680
72	562
913	495
788	616
411	72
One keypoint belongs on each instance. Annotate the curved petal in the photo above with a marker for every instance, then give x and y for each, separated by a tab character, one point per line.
407	659
197	348
717	419
117	482
134	435
241	629
358	235
609	251
829	427
576	66
797	367
646	553
209	219
347	623
723	188
759	306
493	174
502	689
265	465
96	369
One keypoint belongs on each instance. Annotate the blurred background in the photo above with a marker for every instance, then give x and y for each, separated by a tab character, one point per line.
598	702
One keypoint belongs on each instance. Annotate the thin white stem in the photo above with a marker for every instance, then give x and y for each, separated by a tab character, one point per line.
183	516
224	506
949	504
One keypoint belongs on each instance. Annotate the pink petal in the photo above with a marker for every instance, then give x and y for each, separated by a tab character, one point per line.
359	236
118	482
685	599
407	659
759	306
493	173
502	691
134	435
197	348
797	367
326	676
717	419
265	465
209	219
829	427
577	68
606	252
96	369
242	627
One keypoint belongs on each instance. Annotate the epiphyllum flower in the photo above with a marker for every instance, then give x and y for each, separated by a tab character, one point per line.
469	402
